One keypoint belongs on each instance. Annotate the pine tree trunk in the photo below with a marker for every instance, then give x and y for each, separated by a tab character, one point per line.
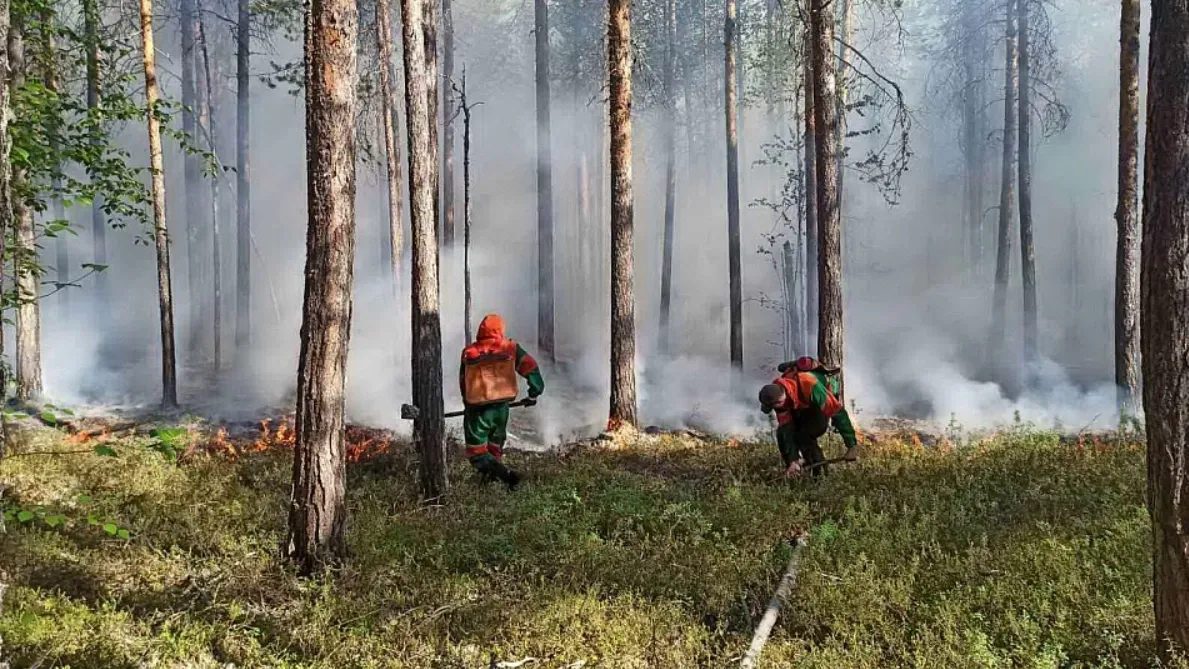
433	92
670	142
829	261
49	75
160	232
733	260
468	312
1126	261
429	428
391	146
192	177
243	183
448	224
623	310
6	209
1006	194
98	217
1165	330
792	308
25	260
317	508
974	138
544	186
846	12
1027	249
811	216
209	112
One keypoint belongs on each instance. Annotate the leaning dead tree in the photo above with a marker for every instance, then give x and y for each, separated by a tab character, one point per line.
160	232
317	508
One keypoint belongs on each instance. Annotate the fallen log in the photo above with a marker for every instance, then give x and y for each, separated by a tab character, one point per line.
764	630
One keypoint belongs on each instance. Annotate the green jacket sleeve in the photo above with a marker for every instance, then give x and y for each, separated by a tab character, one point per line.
840	420
527	367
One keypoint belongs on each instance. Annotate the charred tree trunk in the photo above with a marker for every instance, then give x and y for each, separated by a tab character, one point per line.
465	108
192	175
623	310
448	224
733	260
26	267
209	112
91	39
160	233
391	147
243	183
1126	266
670	142
1027	249
317	508
429	429
544	186
1165	330
811	217
1006	194
829	260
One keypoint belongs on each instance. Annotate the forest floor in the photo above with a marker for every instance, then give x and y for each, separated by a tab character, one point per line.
129	547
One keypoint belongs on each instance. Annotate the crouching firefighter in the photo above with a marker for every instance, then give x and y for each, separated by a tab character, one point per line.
805	398
487	378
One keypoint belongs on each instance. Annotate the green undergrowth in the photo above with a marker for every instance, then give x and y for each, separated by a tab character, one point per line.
1026	551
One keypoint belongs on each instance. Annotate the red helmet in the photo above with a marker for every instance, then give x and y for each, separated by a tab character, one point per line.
807	364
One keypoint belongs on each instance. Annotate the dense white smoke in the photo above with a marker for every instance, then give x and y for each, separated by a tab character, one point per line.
916	323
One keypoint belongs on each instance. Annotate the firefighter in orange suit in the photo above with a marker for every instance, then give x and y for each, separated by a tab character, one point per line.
487	379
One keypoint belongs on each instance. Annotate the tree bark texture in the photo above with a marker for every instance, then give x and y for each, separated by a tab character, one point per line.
846	15
732	130
49	79
1006	189
544	186
811	238
92	39
829	260
433	91
670	142
429	428
169	393
243	181
6	208
391	146
25	260
317	509
1165	330
448	223
1126	218
623	310
1027	248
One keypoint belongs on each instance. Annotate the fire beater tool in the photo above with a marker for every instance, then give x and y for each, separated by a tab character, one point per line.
411	412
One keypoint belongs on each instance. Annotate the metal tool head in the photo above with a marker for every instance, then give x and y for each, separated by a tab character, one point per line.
409	412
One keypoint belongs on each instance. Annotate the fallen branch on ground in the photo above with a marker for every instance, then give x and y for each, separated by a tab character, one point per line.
769	620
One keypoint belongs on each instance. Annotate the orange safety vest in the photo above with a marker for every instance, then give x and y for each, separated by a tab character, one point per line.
489	372
798	387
